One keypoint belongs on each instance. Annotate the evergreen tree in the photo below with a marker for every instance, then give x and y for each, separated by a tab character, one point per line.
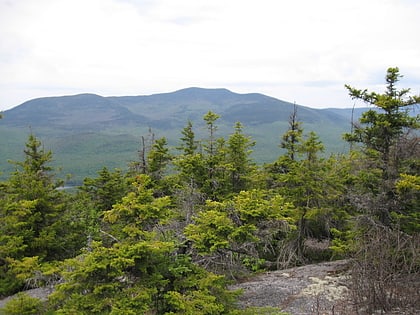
191	174
210	118
138	268
36	223
189	163
238	158
138	213
313	185
291	140
189	144
107	189
380	129
214	156
381	133
242	233
158	159
33	182
293	136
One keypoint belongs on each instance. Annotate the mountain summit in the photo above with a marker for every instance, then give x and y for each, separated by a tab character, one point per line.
87	131
166	109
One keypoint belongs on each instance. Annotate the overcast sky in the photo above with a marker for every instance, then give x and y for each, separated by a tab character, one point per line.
301	51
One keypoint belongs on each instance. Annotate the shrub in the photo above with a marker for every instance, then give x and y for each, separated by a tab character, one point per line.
23	304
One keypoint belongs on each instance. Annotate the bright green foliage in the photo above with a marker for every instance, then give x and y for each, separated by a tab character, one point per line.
145	235
34	219
139	278
138	213
235	229
211	230
196	291
224	166
15	227
256	206
141	270
408	189
23	304
408	183
32	184
115	280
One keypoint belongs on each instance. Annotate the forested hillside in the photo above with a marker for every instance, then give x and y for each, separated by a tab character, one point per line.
169	233
87	131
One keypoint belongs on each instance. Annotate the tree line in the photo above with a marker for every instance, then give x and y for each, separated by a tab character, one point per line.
168	234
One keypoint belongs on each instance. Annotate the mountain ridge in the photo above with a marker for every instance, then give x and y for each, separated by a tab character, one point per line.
143	108
88	131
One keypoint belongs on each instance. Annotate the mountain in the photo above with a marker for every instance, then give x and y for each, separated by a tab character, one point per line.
88	131
85	111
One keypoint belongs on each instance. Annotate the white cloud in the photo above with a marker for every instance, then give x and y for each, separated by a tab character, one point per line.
303	51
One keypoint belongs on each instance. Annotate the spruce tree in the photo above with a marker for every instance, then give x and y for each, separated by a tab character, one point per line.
383	133
35	225
238	158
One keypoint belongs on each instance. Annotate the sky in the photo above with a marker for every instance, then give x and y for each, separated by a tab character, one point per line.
301	51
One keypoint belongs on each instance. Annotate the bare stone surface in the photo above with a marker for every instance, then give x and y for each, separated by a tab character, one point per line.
311	289
39	293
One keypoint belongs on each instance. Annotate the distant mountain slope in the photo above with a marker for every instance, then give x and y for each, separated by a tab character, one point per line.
193	103
164	110
87	131
77	111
